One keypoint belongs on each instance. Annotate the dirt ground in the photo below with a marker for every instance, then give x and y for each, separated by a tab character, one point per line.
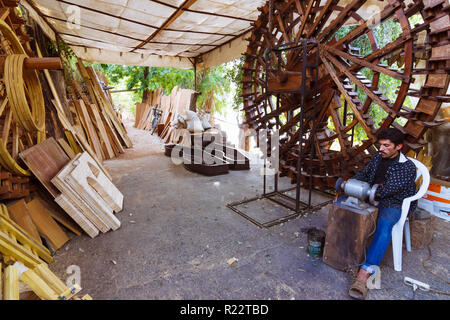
177	235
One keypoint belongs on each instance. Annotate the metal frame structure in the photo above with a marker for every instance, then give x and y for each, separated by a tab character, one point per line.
299	207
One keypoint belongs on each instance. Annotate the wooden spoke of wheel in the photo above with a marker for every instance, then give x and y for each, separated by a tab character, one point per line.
344	76
10	144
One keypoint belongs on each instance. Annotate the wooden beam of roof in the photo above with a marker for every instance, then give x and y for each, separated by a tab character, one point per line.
204	12
122	35
150	54
153	42
135	22
185	5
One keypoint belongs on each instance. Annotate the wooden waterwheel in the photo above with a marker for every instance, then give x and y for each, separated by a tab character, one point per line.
351	85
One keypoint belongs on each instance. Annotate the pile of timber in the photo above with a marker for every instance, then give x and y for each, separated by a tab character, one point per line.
24	270
78	184
53	185
159	112
95	115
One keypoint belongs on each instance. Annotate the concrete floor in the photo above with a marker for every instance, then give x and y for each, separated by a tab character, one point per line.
177	235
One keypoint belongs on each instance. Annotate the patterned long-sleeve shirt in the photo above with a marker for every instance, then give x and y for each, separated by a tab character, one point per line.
399	181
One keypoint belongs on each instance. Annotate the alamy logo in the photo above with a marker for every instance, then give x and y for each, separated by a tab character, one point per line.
75	276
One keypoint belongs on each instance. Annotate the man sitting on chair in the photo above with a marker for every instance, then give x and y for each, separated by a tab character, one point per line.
396	175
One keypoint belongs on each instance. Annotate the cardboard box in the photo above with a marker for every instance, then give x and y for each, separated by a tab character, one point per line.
436	201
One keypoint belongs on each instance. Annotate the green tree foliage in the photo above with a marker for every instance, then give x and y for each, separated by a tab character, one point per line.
210	81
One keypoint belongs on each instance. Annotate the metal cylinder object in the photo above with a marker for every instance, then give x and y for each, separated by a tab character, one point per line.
358	189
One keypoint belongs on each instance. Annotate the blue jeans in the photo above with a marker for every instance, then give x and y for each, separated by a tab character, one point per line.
387	218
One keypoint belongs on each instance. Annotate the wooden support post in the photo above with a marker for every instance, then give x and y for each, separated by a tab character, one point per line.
11	286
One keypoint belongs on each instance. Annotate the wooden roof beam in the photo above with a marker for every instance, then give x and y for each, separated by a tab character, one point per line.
185	5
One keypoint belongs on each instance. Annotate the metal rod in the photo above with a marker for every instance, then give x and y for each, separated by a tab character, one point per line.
277	126
314	123
302	105
195	74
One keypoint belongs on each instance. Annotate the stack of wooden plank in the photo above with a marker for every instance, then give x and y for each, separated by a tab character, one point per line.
179	101
78	185
95	117
88	196
13	186
24	258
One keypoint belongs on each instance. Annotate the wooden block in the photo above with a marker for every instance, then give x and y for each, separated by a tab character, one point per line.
429	107
46	225
19	213
441	24
77	215
421	232
440	53
45	160
437	80
11	283
346	237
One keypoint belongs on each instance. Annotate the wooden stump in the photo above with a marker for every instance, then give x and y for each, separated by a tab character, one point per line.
346	237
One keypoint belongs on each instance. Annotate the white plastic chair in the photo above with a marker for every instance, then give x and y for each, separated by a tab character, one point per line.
403	223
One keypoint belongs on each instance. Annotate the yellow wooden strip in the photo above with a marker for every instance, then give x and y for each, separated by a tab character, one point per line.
66	147
51	279
17	252
16	232
72	142
39	287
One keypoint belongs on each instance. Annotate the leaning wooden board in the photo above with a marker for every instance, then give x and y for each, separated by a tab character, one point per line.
45	224
90	177
76	200
59	215
20	214
87	180
76	215
45	160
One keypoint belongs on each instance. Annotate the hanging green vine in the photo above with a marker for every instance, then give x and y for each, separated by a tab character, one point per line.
68	57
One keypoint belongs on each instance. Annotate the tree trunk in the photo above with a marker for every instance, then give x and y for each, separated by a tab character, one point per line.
145	94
